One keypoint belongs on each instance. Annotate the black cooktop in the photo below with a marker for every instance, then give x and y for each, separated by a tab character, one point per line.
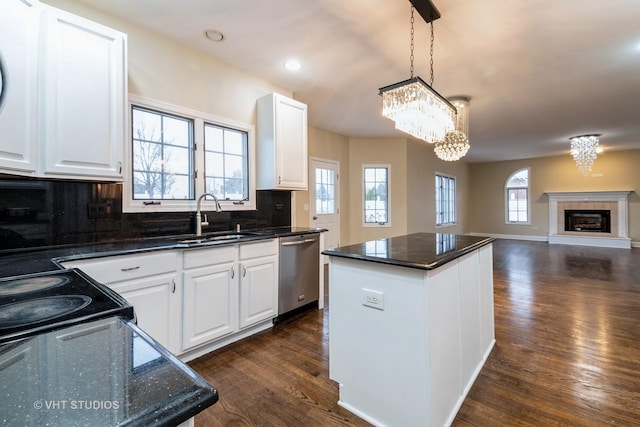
34	303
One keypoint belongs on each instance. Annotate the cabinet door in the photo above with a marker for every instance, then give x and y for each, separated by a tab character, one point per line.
18	86
210	309
291	143
155	306
282	143
84	98
258	290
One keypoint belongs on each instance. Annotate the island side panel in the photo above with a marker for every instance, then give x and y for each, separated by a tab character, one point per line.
378	356
470	324
488	337
444	346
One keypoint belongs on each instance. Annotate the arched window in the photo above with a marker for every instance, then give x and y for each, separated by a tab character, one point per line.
517	197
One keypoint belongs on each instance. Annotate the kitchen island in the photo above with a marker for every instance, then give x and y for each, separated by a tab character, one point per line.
411	325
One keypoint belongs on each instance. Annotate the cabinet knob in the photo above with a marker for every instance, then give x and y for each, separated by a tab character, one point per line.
315	217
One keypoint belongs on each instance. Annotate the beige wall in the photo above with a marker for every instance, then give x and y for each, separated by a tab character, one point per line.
413	169
378	151
170	72
422	165
615	170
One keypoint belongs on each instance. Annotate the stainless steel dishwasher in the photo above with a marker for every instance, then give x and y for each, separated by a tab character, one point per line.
299	271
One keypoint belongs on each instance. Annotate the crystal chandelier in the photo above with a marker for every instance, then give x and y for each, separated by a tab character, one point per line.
414	106
584	149
455	144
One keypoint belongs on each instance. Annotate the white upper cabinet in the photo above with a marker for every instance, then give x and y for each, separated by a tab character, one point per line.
282	143
63	90
19	23
84	94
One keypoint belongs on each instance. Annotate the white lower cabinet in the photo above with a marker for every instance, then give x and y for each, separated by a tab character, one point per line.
210	296
155	305
195	300
228	289
149	282
258	282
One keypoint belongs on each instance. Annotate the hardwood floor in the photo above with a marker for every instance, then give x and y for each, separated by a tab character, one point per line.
567	351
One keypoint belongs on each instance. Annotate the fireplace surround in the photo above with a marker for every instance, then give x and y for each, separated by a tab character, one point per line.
593	227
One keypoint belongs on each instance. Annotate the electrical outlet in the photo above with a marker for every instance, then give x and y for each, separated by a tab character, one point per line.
373	299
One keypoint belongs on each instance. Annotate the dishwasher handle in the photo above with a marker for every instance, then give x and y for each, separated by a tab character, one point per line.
299	242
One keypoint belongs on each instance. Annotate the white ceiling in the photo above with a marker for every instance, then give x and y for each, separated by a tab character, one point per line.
537	71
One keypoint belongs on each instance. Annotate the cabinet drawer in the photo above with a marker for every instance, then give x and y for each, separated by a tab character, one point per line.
126	267
209	256
254	250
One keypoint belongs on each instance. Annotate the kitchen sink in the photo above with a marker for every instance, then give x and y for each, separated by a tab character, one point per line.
216	238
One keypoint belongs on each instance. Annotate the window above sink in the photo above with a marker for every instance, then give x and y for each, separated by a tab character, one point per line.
176	153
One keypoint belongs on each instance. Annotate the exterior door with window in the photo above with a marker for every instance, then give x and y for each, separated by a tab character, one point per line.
325	199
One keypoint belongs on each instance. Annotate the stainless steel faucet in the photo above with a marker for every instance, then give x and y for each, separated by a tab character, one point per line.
199	215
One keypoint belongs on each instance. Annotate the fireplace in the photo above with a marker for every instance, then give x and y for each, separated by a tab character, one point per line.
587	220
590	218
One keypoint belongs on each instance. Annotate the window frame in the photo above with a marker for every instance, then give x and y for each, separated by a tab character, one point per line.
364	195
129	205
438	202
506	197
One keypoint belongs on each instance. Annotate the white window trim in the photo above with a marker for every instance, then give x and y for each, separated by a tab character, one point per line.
377	224
455	222
506	198
199	119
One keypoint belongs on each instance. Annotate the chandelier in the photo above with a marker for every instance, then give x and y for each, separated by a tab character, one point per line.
584	149
455	144
414	106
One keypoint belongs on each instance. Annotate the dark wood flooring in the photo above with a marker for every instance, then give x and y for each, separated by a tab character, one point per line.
567	351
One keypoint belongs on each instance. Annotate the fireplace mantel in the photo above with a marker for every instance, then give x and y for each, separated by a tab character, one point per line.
619	201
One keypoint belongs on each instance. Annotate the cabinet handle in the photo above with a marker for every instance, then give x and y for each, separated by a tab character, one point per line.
119	167
244	271
130	268
173	282
279	180
233	273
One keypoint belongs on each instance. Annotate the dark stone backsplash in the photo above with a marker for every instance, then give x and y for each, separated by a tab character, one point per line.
37	213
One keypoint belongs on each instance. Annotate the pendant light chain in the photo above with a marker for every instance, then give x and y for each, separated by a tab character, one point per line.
411	57
430	56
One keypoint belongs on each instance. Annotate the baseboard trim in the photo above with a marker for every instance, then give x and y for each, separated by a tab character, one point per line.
511	236
525	237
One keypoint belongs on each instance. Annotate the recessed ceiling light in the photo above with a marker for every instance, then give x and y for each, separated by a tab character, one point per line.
292	65
214	35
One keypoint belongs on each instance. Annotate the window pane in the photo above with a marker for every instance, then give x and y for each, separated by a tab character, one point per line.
175	131
376	195
146	125
233	142
517	196
162	151
445	200
325	191
226	162
519	179
213	139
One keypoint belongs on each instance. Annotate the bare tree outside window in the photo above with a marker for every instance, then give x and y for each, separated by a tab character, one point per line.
162	156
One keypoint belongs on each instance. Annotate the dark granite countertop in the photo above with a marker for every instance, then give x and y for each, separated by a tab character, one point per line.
18	262
106	372
426	251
